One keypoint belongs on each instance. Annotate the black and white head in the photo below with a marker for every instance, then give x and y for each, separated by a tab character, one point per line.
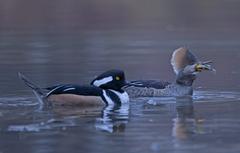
187	66
112	79
112	82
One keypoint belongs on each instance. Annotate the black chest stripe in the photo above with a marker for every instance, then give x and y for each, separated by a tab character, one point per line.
113	97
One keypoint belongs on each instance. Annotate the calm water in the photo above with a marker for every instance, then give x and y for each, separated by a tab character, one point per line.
52	50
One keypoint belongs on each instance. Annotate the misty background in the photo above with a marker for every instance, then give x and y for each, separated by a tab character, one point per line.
74	40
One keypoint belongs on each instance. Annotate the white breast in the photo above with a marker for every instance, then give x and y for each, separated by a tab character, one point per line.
107	98
124	98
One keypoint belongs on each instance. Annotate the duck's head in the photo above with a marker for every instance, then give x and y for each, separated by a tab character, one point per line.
112	79
187	66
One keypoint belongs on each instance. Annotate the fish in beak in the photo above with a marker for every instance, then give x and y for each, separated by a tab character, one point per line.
199	67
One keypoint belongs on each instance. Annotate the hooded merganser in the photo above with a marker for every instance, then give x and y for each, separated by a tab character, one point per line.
185	65
105	89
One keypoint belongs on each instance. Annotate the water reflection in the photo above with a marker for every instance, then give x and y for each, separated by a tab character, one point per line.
50	124
186	123
113	119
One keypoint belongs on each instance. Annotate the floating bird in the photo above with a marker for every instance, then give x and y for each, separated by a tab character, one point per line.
105	89
185	65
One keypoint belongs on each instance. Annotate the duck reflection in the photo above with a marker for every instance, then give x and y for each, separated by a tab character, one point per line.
113	119
185	124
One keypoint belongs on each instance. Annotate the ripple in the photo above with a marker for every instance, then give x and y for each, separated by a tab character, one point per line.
48	125
113	119
17	101
199	96
216	96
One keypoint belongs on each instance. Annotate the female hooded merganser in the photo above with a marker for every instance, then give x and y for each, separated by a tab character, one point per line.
185	65
105	89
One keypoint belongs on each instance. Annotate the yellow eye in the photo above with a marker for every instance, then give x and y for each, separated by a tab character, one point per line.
117	78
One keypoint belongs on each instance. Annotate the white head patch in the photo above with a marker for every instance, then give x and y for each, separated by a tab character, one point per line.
102	81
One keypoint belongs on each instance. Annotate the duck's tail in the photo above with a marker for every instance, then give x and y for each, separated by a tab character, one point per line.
36	90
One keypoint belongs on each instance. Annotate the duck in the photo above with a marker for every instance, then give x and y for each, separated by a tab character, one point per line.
105	89
186	67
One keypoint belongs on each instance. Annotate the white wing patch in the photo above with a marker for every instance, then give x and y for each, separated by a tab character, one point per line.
102	81
50	92
69	89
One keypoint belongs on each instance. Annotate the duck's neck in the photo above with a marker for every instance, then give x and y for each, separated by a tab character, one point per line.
185	79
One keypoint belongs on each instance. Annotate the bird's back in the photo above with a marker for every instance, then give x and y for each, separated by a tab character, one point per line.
145	88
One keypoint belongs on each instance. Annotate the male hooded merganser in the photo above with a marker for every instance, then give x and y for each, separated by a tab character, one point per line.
185	65
105	89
